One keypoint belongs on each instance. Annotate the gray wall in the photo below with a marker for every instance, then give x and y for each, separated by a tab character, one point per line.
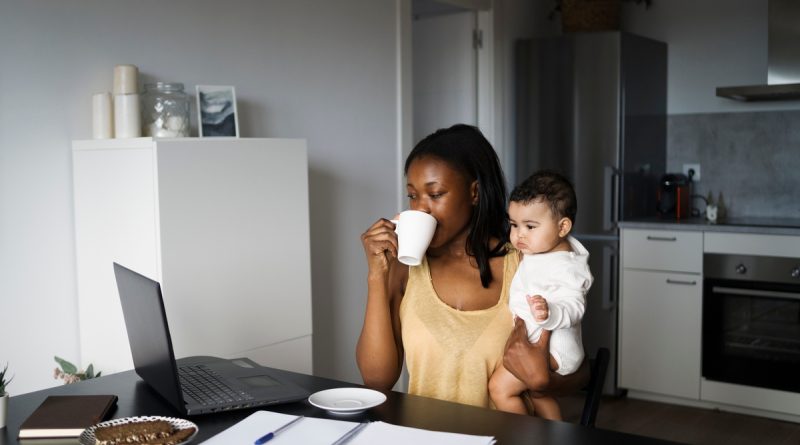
711	43
751	159
747	151
320	70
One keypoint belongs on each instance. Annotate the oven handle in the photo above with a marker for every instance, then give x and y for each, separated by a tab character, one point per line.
757	293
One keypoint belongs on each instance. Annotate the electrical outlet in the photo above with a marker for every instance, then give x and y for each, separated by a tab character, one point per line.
695	167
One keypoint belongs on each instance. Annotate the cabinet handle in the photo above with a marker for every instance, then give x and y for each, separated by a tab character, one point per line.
661	238
688	283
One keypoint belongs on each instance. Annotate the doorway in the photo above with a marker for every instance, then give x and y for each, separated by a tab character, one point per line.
450	59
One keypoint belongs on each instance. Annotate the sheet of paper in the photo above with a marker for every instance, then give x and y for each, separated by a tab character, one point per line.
310	430
313	431
388	434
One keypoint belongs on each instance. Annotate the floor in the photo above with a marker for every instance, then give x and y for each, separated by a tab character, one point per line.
684	424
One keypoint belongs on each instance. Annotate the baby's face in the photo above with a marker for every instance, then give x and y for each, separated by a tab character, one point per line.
534	228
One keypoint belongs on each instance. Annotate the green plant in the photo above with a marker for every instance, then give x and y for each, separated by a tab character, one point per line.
4	381
69	373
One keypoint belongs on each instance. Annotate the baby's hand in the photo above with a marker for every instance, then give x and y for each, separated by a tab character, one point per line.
539	308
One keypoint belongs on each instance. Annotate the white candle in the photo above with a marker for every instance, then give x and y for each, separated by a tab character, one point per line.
126	79
127	121
102	123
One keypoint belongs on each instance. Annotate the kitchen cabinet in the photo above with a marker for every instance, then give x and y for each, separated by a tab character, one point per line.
660	312
222	224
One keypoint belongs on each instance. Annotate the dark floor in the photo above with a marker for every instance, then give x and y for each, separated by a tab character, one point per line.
684	424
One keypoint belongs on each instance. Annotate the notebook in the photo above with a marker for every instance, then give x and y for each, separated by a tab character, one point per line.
200	384
66	416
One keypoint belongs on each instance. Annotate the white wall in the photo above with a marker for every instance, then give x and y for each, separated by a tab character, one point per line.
711	43
320	70
513	20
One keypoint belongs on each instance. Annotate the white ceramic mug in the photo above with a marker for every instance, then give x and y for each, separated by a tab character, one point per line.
414	233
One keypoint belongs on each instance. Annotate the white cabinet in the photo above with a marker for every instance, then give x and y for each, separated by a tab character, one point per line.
222	224
660	312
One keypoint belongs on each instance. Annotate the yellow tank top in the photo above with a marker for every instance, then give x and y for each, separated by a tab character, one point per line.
451	354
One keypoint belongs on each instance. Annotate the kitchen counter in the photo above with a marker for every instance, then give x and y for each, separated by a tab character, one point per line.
770	226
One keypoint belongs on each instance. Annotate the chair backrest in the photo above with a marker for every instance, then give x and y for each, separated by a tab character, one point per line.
594	390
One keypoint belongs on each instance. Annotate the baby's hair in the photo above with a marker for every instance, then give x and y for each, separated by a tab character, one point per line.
550	187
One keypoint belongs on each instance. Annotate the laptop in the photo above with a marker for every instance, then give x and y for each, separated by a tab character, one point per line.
196	385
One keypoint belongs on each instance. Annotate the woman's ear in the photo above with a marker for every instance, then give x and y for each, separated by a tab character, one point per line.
473	190
564	226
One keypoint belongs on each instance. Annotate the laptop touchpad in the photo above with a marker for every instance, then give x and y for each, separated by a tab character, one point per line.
258	381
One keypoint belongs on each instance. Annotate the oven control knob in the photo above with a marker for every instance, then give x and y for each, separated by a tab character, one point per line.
796	272
741	270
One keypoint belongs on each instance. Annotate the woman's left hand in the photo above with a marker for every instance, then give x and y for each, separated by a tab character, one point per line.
527	361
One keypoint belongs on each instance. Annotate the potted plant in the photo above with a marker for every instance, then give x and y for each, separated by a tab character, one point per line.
591	15
69	373
4	381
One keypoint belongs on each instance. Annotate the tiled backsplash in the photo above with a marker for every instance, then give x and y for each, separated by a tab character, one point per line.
752	159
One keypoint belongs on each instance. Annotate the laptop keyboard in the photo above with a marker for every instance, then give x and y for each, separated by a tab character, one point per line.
207	388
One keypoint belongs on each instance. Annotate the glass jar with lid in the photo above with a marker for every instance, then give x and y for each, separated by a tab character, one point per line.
165	110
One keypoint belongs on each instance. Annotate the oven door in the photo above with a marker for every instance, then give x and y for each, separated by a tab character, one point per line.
751	333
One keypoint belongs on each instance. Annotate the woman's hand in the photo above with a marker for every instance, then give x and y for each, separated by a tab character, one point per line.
380	246
527	361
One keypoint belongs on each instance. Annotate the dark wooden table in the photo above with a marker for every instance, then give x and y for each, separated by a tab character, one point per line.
136	398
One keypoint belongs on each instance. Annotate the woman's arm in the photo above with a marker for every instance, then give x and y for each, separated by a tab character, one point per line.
379	352
525	359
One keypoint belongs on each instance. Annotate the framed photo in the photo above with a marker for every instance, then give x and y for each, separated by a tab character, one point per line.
216	107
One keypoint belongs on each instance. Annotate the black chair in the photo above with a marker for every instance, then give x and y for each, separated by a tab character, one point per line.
594	390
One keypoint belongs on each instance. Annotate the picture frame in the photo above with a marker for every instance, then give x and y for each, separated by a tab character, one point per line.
217	115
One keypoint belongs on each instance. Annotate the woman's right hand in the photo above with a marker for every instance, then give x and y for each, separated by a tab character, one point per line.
379	352
380	246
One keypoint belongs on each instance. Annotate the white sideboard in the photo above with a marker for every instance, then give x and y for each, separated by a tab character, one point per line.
222	224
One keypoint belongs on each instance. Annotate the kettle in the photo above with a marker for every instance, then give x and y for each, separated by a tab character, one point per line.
674	196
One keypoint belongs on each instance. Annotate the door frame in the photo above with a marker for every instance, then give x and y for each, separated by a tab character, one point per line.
488	111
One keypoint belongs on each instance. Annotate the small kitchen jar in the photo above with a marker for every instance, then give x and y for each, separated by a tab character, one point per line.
165	110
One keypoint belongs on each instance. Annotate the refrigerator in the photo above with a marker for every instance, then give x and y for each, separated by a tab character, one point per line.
593	107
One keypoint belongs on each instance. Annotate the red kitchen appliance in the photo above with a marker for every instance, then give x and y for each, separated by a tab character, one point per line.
674	196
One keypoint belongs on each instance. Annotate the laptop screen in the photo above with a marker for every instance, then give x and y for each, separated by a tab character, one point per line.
148	333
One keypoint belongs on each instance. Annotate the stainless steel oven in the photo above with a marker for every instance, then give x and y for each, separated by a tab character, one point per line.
751	320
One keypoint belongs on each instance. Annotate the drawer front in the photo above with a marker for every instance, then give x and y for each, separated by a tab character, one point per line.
675	251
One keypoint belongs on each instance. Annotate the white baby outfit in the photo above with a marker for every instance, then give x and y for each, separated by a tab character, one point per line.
562	278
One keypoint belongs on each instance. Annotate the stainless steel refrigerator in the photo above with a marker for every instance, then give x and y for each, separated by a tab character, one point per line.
593	106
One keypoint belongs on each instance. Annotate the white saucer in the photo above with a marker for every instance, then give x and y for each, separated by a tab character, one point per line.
346	400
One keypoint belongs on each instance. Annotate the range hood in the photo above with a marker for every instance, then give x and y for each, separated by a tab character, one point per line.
783	57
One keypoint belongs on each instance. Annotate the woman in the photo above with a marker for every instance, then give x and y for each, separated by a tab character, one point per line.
449	317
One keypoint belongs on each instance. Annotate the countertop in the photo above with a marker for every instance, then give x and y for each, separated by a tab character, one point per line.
769	226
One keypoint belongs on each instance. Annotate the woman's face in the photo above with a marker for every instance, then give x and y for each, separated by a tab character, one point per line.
437	188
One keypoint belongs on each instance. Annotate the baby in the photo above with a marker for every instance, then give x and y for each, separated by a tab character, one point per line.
549	288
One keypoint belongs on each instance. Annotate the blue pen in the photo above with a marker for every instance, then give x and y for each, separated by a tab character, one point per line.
270	435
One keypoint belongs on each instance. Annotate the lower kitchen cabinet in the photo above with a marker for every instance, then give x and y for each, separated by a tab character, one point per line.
660	332
660	312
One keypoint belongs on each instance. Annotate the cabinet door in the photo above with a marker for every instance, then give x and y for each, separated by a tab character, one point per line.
660	333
